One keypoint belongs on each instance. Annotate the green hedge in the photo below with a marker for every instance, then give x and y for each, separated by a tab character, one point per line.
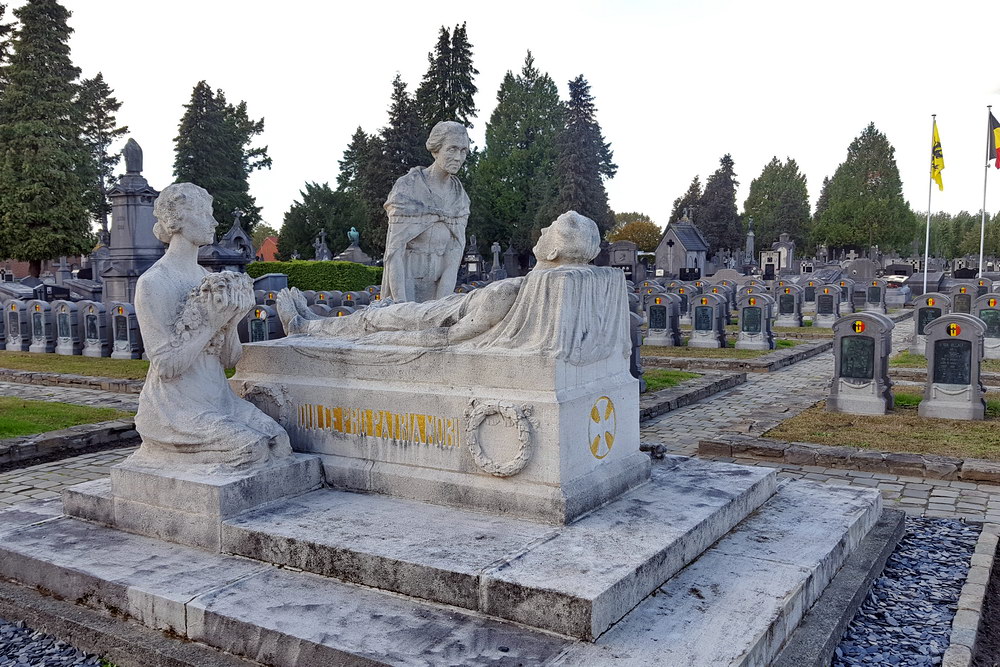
307	274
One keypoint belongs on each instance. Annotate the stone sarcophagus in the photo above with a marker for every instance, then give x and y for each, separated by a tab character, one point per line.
536	417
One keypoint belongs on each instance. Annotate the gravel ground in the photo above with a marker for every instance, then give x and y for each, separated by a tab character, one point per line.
906	618
23	647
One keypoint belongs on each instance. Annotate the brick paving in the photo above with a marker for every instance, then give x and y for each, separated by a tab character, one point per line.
788	391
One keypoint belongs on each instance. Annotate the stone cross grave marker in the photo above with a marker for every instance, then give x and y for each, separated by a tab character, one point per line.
755	331
954	354
862	344
926	308
987	308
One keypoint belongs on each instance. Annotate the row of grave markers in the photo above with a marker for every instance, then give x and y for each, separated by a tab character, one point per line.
953	344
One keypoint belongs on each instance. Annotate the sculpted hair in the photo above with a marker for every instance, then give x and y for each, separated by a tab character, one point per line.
438	135
168	208
580	240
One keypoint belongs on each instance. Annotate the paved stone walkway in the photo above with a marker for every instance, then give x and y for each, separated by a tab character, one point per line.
788	391
793	389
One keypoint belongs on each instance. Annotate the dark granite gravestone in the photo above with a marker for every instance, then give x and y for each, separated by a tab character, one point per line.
18	327
861	348
68	338
261	323
658	316
828	305
846	295
875	296
954	356
755	333
126	340
663	314
926	308
43	327
961	303
703	318
750	319
786	304
824	304
93	328
709	321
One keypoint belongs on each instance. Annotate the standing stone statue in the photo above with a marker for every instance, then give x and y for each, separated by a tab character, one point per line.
428	210
187	413
322	250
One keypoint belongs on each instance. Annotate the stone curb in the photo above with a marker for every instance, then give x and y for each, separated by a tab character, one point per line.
69	380
70	441
696	389
124	643
965	625
767	363
920	375
931	466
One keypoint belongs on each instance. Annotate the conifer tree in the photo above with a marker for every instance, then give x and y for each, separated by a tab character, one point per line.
718	219
320	208
403	138
514	172
213	150
865	205
447	90
6	31
44	166
350	164
688	201
584	161
779	203
99	130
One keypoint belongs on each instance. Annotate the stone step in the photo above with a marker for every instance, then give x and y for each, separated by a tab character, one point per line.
735	605
575	580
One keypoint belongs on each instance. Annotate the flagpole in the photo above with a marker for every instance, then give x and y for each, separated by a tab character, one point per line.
986	175
930	182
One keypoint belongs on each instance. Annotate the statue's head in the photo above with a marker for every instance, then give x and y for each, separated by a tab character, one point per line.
185	209
571	239
448	142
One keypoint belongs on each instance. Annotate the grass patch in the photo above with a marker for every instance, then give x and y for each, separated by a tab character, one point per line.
903	430
21	417
662	378
120	369
907	359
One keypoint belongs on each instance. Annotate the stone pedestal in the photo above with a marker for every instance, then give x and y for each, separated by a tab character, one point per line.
494	430
187	506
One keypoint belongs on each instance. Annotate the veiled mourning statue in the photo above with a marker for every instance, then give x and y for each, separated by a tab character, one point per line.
188	415
428	210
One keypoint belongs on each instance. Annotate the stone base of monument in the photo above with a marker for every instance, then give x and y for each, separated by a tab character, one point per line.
788	321
953	401
707	339
659	339
187	507
648	579
860	397
991	348
825	321
499	431
754	341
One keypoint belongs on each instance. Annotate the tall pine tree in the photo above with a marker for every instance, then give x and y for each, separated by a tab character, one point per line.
403	138
213	150
688	201
6	31
97	108
717	217
448	87
44	166
865	204
779	203
514	172
584	161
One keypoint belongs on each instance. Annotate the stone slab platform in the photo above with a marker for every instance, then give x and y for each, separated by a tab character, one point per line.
755	584
575	580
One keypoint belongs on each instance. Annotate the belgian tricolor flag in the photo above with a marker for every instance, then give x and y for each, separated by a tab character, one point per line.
993	141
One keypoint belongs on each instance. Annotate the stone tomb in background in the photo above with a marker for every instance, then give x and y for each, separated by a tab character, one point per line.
862	345
954	355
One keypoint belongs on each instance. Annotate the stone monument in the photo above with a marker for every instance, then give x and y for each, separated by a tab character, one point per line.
954	355
862	344
827	306
321	252
708	328
926	308
428	210
987	308
353	252
755	331
789	298
663	317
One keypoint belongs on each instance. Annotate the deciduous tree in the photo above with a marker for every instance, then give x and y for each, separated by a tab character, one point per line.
644	233
320	208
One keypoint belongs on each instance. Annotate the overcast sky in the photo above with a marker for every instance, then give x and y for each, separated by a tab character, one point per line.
677	84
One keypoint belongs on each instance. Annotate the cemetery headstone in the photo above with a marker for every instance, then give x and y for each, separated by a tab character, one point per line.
708	326
827	306
726	295
987	308
18	327
926	308
862	344
329	298
846	295
310	296
93	329
320	309
43	330
68	338
341	311
126	341
261	323
755	331
685	294
875	296
355	299
789	298
962	296
954	356
663	317
809	296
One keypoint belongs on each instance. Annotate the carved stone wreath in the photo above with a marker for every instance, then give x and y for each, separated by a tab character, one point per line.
512	415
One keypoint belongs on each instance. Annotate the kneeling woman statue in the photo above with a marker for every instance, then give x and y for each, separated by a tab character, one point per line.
188	415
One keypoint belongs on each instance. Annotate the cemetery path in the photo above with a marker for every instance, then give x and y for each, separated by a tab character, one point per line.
786	393
789	391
